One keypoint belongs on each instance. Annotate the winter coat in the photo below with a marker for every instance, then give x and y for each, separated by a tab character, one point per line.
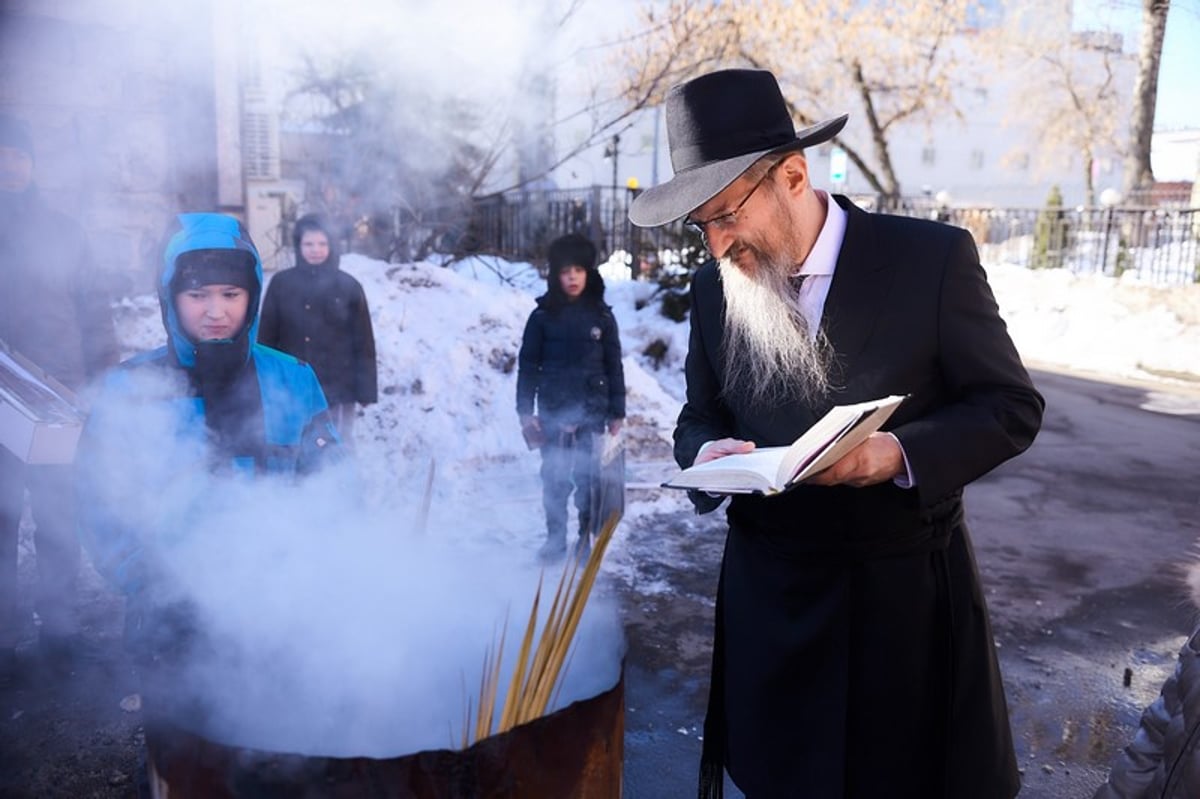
147	432
158	434
1163	760
320	315
53	308
570	364
817	582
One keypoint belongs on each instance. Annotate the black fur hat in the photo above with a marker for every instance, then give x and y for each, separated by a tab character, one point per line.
571	250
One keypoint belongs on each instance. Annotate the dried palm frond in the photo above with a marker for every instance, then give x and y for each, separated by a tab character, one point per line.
538	671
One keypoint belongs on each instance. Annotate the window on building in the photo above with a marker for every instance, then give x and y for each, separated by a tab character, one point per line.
977	159
928	155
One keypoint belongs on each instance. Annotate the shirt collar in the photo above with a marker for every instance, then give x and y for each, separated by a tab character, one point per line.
822	258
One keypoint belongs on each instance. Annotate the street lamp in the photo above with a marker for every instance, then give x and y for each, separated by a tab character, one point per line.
942	198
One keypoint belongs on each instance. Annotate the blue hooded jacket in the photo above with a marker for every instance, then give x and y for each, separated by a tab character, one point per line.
205	232
153	439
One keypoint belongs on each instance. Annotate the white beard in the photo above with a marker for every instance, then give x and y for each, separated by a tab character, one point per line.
769	357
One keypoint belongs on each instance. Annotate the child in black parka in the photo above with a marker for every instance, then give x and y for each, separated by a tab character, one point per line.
570	367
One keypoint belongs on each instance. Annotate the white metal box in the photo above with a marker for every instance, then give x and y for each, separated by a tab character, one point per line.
40	418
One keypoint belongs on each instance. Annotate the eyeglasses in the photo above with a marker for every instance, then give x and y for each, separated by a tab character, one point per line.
728	219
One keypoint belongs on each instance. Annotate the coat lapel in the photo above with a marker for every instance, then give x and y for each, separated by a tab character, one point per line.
861	284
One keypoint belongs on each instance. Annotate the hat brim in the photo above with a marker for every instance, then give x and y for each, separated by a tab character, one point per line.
687	191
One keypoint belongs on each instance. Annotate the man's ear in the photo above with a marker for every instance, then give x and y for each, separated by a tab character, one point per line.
794	168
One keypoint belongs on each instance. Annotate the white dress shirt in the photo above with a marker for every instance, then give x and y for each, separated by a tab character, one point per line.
817	271
820	264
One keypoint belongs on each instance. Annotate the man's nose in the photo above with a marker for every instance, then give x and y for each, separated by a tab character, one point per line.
718	240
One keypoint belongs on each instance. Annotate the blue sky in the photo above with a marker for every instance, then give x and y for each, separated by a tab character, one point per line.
1178	96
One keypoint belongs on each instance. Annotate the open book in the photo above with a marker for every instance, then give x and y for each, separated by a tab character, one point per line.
770	470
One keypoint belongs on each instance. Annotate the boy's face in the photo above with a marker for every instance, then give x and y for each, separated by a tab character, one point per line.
314	247
573	280
213	312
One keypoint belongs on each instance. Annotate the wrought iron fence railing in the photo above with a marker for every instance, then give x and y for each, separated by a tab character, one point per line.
1160	245
521	224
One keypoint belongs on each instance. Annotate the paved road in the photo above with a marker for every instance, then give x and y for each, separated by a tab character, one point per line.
1079	542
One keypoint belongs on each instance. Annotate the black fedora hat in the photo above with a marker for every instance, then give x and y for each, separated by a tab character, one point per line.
717	126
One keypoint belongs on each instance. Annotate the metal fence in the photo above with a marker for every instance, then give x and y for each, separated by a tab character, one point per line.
1159	245
520	225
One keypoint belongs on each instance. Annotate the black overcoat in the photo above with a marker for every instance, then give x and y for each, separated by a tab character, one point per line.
853	654
54	306
320	315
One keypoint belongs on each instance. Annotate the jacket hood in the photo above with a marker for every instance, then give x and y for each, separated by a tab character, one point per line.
311	222
206	232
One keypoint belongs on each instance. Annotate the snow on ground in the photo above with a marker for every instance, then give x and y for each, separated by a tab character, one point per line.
448	338
1117	327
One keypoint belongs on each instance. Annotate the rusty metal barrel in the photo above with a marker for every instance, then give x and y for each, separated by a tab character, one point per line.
573	753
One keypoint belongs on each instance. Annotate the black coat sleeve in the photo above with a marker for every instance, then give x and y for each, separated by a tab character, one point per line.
704	416
93	308
269	319
614	370
529	364
366	373
990	409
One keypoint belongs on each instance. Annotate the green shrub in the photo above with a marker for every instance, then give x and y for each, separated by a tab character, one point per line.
1050	234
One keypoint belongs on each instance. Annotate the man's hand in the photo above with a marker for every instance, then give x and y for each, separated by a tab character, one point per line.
876	460
722	447
614	426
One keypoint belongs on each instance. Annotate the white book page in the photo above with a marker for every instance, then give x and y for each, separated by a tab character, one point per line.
743	471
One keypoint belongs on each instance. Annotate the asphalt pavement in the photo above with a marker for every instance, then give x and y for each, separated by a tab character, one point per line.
1080	543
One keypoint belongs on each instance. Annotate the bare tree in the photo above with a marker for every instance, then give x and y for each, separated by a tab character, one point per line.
1138	174
898	61
1066	88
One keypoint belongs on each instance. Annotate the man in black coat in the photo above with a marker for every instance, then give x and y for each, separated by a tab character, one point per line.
53	311
853	655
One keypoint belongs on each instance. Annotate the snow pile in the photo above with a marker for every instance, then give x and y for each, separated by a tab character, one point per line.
1119	327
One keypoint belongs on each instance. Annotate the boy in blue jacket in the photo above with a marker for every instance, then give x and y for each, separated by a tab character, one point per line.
170	425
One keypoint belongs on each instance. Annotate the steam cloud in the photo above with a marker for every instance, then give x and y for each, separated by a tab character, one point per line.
329	627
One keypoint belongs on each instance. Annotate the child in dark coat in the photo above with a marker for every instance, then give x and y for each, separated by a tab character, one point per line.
570	368
319	313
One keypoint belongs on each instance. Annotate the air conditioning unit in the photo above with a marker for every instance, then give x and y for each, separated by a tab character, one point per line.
260	141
